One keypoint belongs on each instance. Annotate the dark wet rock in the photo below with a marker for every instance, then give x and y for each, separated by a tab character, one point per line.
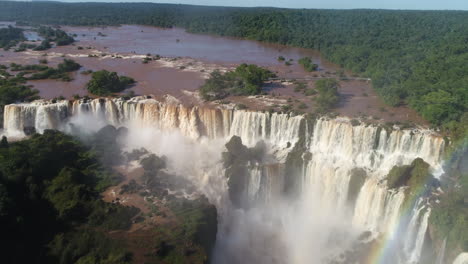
135	154
29	130
295	162
237	160
356	181
122	131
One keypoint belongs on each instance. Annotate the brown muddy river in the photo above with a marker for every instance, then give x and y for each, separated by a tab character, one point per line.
176	42
188	59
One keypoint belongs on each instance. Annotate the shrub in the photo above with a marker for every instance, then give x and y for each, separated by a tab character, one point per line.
328	93
104	83
244	80
306	62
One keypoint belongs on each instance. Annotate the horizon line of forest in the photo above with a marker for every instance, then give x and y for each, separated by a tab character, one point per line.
415	58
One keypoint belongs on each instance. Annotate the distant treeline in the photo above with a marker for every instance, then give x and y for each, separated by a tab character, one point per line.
417	58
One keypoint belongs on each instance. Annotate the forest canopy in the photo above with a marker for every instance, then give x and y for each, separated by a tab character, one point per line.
413	57
50	206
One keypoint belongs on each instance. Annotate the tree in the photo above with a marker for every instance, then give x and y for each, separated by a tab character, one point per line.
68	66
104	83
327	94
306	62
438	106
246	79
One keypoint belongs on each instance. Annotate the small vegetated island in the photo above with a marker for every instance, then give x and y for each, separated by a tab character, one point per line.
14	37
327	94
246	79
10	37
105	83
13	86
307	63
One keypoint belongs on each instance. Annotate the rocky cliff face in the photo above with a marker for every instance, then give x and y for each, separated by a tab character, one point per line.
326	165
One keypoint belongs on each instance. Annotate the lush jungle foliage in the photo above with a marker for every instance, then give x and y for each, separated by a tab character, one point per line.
327	93
449	218
244	80
413	57
10	36
50	206
41	72
105	83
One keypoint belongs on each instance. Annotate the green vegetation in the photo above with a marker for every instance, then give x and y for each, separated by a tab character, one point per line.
300	86
105	83
41	71
45	45
24	47
12	89
60	37
449	218
413	57
306	62
10	37
68	66
327	94
244	80
50	203
450	221
191	236
415	175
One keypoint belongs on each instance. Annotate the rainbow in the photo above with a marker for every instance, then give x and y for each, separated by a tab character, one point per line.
383	251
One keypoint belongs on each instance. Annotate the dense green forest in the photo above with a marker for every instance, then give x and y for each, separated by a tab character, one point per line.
50	206
413	57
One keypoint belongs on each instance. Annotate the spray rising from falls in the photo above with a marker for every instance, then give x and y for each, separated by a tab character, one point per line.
316	194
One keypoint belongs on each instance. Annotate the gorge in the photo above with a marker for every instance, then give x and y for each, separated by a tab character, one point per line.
287	188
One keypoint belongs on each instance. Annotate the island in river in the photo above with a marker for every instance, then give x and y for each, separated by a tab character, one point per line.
186	60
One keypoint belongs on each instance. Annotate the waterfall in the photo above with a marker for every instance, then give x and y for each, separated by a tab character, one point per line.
461	259
441	255
305	228
416	232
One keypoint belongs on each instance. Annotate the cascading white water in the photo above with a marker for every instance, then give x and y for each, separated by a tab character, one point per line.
416	231
441	255
274	229
462	258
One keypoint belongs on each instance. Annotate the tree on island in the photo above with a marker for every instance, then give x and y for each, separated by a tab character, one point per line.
306	62
244	80
327	93
103	83
68	66
10	36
